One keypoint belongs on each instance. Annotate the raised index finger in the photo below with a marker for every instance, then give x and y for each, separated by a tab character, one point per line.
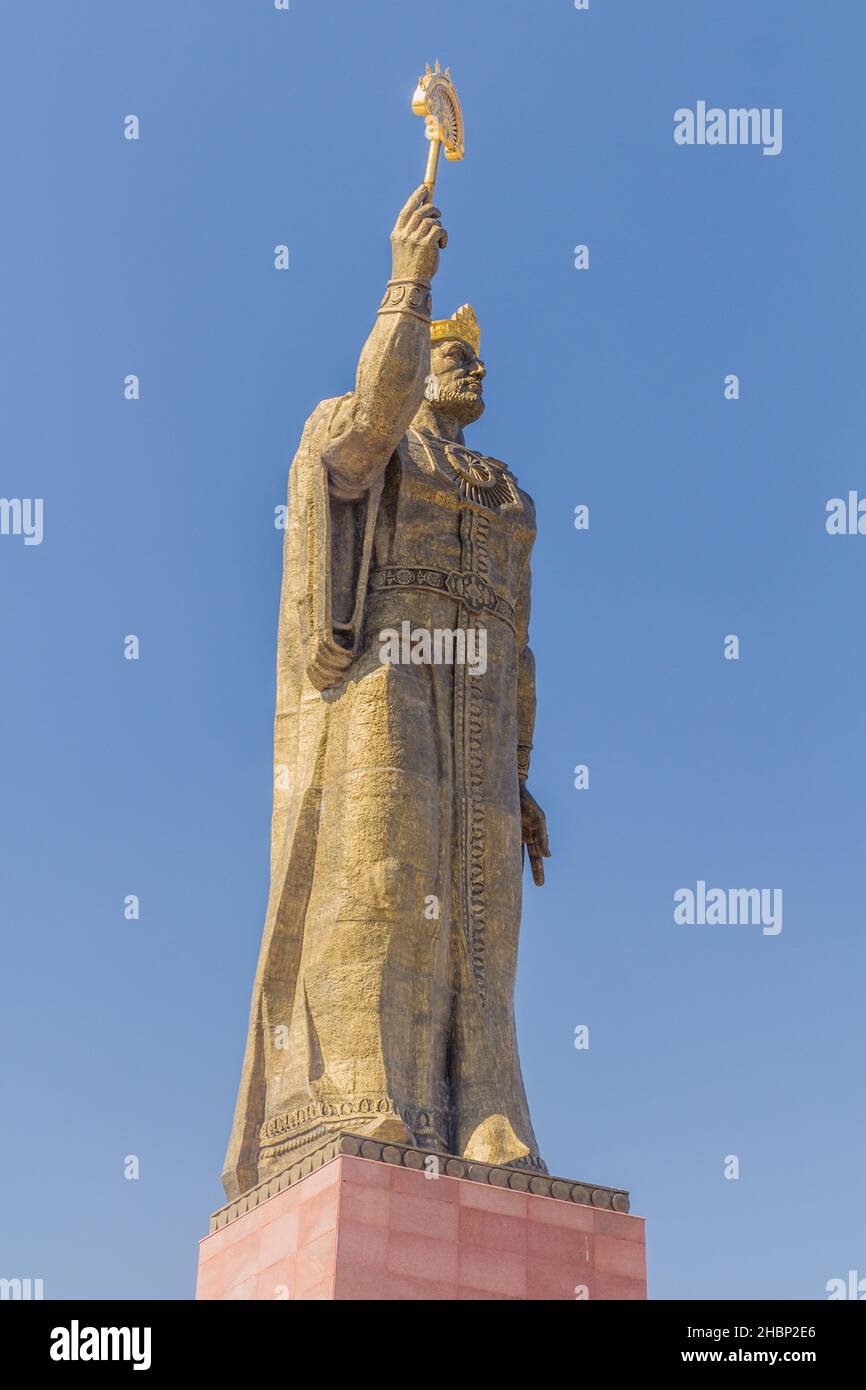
415	201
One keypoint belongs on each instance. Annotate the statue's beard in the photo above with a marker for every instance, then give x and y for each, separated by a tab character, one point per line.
463	405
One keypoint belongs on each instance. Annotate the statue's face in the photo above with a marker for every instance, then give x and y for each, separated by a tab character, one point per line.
454	384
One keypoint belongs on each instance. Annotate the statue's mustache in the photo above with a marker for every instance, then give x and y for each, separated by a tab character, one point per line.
466	386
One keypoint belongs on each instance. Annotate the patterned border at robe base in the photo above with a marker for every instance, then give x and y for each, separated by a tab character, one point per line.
313	1123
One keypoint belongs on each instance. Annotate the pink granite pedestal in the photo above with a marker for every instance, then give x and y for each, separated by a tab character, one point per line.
360	1228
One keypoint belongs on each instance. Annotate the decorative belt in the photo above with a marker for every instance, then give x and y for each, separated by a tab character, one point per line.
462	585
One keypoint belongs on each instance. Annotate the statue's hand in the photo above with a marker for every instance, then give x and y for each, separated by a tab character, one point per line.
534	830
417	239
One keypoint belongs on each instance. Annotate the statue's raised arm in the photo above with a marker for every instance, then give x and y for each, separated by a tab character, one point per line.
395	360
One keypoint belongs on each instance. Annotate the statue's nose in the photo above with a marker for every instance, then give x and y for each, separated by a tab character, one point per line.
479	370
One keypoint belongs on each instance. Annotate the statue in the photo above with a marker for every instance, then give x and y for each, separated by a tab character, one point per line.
383	1002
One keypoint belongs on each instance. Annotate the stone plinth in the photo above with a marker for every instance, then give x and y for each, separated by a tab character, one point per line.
378	1227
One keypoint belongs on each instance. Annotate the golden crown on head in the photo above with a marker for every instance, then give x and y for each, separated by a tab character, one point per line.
463	325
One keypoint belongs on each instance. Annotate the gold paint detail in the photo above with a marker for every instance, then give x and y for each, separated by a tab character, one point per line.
435	98
494	1141
463	324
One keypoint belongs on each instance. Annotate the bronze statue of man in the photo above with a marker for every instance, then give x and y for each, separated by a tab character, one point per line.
383	1003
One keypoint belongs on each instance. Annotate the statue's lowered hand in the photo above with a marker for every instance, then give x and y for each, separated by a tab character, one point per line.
533	826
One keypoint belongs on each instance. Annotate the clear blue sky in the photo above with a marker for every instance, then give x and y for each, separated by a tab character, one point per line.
605	387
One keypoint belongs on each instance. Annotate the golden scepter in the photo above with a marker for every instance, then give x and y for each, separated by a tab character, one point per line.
436	100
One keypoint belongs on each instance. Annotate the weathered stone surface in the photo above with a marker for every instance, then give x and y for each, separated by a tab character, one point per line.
383	998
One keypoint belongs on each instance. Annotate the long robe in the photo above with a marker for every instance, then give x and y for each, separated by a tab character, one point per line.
383	1002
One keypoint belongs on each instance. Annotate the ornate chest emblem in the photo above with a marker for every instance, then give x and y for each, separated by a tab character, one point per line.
480	479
